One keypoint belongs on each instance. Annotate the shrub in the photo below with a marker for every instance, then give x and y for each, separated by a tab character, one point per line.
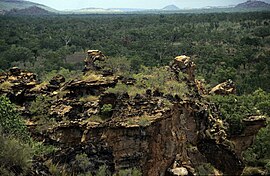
252	171
259	151
56	169
155	79
205	169
82	162
267	166
118	65
103	171
6	86
129	172
38	148
89	76
66	73
96	118
106	110
144	121
15	156
89	98
122	88
10	121
40	108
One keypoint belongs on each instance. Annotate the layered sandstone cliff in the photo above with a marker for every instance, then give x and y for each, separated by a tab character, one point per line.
155	132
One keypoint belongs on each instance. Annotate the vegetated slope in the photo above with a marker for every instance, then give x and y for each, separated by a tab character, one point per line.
33	10
8	5
253	4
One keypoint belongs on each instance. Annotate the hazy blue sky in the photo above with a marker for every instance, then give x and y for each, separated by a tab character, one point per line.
76	4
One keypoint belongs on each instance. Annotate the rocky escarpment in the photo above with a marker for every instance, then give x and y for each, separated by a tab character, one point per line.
156	132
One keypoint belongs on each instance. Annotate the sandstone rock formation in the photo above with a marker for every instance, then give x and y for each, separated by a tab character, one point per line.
156	133
252	125
93	56
16	84
224	88
184	64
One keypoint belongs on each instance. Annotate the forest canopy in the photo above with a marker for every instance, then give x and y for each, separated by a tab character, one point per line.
224	45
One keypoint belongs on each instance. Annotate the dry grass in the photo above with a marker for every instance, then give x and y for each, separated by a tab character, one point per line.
96	118
142	121
39	87
89	98
91	77
6	85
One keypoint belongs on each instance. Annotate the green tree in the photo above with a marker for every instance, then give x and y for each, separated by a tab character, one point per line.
18	53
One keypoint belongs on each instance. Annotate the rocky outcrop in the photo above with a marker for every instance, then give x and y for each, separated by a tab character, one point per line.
224	88
16	84
93	56
158	133
95	85
183	64
252	125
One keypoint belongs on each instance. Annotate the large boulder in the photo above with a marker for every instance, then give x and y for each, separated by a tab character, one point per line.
225	88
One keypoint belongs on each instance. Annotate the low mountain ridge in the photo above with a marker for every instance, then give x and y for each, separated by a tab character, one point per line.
253	4
171	8
33	10
7	5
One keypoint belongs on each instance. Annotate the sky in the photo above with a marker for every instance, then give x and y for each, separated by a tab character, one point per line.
147	4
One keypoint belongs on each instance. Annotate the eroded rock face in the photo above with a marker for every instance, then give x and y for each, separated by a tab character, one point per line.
224	88
91	86
57	80
16	84
252	125
159	134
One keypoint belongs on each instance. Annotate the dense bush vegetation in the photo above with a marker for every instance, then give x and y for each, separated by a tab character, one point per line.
10	121
16	147
223	45
235	108
159	79
15	153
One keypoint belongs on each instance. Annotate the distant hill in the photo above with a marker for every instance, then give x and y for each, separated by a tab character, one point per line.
253	4
127	9
7	5
92	10
171	8
33	10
